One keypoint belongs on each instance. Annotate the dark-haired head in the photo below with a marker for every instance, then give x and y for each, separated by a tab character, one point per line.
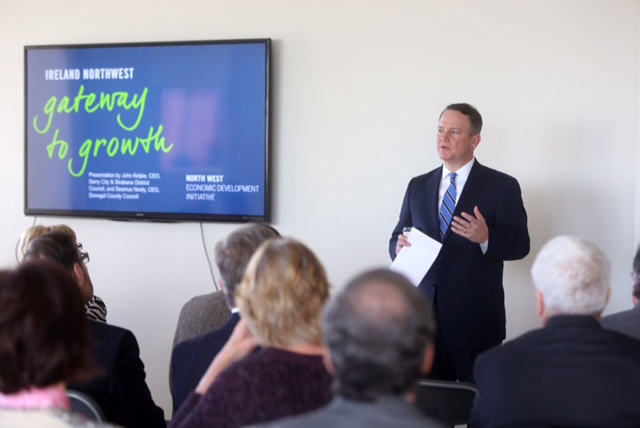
44	333
60	247
475	119
379	332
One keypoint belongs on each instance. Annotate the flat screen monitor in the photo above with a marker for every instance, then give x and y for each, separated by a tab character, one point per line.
153	131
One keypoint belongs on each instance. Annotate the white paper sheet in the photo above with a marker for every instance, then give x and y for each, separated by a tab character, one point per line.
415	261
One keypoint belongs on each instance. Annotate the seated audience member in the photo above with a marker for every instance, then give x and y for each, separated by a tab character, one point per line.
95	307
44	343
280	298
121	391
200	315
628	322
379	333
190	359
570	372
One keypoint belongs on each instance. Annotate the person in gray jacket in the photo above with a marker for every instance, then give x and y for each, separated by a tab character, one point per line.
379	333
628	322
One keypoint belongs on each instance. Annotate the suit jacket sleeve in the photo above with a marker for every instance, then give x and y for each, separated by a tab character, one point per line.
404	220
508	233
128	385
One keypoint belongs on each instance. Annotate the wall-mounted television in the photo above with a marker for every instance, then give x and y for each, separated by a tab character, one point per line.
150	131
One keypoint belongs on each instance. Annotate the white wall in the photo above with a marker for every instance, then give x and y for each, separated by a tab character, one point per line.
358	86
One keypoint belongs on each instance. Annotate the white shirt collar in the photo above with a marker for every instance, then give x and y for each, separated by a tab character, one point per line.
461	180
462	173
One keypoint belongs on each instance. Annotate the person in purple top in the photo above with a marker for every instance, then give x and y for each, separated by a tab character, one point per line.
191	358
280	299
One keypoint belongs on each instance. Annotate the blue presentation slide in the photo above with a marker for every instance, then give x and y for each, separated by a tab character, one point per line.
166	129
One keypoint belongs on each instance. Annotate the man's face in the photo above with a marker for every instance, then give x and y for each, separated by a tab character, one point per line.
455	142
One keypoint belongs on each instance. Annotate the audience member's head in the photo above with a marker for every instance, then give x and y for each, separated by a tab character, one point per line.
379	332
282	294
636	277
65	229
60	248
233	253
571	277
44	336
38	230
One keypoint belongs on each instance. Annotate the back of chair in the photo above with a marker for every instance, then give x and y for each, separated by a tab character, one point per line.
84	405
447	402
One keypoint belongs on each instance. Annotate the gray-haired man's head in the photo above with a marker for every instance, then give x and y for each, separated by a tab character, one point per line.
379	331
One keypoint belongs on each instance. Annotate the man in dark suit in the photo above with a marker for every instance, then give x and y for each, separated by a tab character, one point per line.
379	334
571	372
190	359
121	390
479	217
628	322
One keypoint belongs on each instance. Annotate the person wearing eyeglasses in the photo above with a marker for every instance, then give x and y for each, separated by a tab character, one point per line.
121	392
95	307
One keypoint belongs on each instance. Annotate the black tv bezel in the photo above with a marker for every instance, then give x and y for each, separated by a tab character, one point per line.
153	216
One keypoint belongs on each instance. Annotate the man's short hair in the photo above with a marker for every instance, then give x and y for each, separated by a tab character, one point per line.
233	253
377	331
475	119
573	276
58	247
282	294
44	333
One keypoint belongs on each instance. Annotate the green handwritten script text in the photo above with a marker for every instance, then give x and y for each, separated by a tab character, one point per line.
90	103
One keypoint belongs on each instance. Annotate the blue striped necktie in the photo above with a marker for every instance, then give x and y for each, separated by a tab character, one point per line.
448	205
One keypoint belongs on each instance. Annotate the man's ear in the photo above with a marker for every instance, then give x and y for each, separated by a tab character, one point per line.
328	364
78	274
427	362
540	300
475	141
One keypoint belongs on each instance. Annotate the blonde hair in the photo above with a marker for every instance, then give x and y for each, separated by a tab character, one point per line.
282	294
38	230
29	235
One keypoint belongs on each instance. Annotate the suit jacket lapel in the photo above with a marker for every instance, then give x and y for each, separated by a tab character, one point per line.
432	189
471	190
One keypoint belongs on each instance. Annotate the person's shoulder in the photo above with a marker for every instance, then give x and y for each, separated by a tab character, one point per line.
112	334
611	319
204	301
342	412
108	328
422	178
622	340
493	174
509	350
203	341
267	365
429	174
